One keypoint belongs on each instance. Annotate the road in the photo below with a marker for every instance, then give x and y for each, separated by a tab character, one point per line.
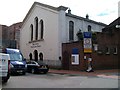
51	80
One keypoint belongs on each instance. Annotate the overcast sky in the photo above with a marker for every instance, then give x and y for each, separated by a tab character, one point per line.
105	11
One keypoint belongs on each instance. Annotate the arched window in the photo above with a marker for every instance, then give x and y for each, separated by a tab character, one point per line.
36	28
71	30
41	28
31	30
41	56
89	28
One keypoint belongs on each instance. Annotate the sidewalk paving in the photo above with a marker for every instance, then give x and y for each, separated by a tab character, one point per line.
113	73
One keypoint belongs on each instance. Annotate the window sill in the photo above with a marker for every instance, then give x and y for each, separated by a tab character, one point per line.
71	40
107	53
36	41
100	52
115	53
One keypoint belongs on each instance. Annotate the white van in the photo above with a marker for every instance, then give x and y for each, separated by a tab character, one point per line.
4	67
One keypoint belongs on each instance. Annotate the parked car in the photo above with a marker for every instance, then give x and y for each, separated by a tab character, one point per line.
37	67
4	67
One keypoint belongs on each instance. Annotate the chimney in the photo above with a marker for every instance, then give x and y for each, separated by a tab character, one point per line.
87	16
69	11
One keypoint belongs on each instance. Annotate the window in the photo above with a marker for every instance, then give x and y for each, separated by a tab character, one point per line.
41	29
89	28
71	30
31	28
107	50
73	59
115	50
33	63
100	49
37	33
95	47
36	28
41	56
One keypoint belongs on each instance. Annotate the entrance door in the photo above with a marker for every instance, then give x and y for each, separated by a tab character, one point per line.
36	55
30	56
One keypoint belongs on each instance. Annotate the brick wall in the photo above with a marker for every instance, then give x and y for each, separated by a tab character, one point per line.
102	60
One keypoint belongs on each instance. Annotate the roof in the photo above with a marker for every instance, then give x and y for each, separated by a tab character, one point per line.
58	9
112	25
46	6
85	19
16	24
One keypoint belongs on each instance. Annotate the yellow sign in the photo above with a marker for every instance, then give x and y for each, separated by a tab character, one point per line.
87	45
87	50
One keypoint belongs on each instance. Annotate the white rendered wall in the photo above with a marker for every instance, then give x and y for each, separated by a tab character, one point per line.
49	46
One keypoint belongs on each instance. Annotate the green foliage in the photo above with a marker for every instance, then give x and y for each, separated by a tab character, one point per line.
79	35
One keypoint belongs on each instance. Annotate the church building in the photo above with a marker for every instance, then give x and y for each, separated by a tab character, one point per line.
45	28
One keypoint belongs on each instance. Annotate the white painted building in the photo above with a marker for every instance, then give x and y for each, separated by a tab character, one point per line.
45	28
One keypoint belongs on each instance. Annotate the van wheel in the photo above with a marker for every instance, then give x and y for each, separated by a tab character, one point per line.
33	71
5	80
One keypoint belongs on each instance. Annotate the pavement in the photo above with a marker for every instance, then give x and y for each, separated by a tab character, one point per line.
111	73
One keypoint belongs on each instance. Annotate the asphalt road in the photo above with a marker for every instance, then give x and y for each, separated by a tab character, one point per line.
59	81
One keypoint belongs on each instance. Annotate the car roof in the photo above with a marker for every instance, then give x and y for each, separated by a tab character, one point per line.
39	62
3	55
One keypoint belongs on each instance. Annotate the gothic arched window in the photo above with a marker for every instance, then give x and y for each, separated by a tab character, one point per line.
71	30
31	30
89	28
36	28
41	29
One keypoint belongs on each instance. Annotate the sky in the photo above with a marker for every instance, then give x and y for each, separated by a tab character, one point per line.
105	11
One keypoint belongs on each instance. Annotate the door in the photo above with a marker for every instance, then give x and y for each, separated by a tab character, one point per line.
36	55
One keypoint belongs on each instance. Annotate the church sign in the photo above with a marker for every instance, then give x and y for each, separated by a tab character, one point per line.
34	45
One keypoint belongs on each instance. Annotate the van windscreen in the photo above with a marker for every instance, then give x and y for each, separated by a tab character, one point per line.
15	56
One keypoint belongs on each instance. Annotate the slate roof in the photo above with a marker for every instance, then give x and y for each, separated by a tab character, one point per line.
46	6
85	19
61	8
113	24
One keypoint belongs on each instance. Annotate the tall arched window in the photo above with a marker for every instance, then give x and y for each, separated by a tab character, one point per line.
41	28
31	30
89	28
71	30
36	28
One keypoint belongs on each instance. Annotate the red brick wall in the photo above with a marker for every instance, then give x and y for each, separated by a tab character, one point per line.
68	47
100	61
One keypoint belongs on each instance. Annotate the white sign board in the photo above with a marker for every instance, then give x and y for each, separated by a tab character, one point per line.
75	59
